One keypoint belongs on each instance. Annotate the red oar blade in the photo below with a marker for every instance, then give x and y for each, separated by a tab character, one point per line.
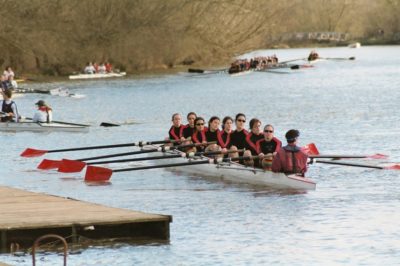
393	167
48	164
32	153
310	149
97	174
378	156
71	166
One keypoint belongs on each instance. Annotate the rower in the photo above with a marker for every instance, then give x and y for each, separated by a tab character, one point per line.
199	134
238	136
44	113
176	130
212	134
8	107
224	135
268	147
189	128
251	140
290	159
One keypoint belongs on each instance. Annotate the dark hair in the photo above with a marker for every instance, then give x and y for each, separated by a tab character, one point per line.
191	113
198	119
226	118
212	119
8	93
253	122
238	115
292	135
173	116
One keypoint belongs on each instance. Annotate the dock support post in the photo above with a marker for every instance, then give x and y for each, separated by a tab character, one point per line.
74	235
3	241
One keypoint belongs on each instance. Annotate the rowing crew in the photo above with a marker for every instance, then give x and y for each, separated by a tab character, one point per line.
260	62
9	110
289	159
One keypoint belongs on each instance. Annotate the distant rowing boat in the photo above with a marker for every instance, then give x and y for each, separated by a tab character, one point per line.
42	127
55	92
97	75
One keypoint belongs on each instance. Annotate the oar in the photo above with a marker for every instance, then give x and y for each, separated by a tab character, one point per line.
389	167
374	156
29	152
71	166
312	151
338	58
51	164
101	174
292	60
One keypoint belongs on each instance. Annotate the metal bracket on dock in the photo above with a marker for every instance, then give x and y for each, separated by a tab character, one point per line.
49	236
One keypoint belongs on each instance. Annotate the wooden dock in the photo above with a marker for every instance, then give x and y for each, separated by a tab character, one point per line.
25	216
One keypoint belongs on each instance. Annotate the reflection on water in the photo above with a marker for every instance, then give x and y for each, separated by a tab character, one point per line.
346	107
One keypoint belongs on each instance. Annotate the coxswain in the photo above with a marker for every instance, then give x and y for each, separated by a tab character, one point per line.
44	113
268	147
8	107
189	128
251	140
238	136
176	131
290	159
199	134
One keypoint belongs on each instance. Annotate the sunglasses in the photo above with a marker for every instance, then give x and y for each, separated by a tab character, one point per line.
241	120
268	131
200	124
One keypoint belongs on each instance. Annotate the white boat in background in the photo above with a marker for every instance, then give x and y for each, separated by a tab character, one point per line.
42	127
354	45
97	75
238	173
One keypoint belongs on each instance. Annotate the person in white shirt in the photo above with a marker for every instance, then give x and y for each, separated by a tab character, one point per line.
89	69
44	113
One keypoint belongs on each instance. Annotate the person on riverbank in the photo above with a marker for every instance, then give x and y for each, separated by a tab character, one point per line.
9	108
268	147
290	159
7	79
44	113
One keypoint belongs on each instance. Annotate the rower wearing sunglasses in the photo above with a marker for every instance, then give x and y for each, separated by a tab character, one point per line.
199	134
238	136
268	147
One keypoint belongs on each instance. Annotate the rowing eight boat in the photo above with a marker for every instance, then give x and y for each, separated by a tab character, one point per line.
237	173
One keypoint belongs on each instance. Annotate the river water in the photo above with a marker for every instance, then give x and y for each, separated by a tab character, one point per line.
345	107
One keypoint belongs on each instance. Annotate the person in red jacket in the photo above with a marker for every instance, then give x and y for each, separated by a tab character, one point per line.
290	159
176	131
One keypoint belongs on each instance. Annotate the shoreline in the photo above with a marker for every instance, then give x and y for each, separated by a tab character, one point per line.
30	77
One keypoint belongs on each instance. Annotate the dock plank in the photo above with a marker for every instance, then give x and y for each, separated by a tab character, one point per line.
22	210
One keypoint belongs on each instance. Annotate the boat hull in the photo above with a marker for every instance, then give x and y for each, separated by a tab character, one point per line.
237	173
42	127
97	76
